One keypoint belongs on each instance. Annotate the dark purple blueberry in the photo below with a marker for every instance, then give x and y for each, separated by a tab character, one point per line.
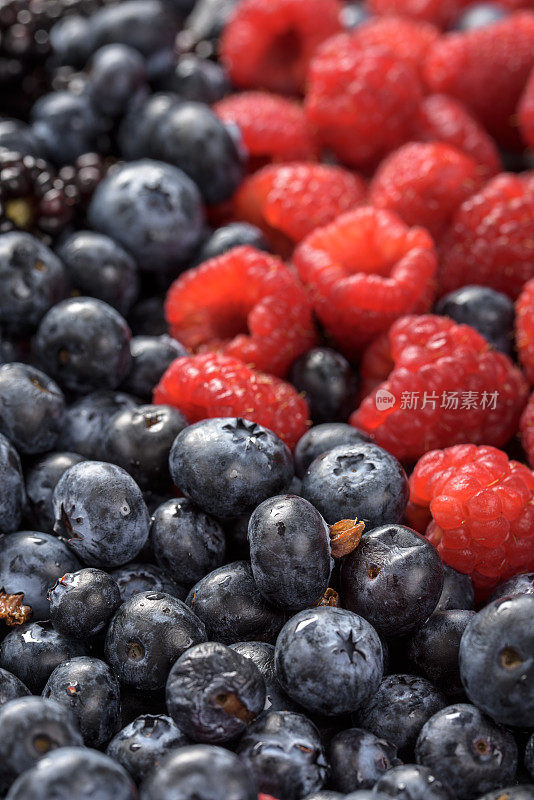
69	40
86	419
146	25
479	15
140	746
491	313
262	654
523	583
16	135
529	756
434	649
358	759
458	591
321	438
83	602
12	496
328	382
66	126
147	318
11	687
134	578
353	15
117	74
41	480
151	355
412	782
198	79
136	131
229	236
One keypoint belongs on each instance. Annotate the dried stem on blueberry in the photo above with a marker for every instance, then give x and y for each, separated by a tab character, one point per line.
345	536
330	598
231	704
12	610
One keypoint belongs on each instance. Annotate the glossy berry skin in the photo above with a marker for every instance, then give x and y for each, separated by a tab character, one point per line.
393	578
262	654
139	440
33	651
320	438
83	602
150	357
412	782
205	770
235	234
31	727
116	74
328	382
32	280
187	543
31	563
99	267
137	577
230	605
489	312
523	583
13	495
467	751
358	759
147	26
479	15
87	687
435	646
140	746
496	660
457	591
100	512
41	480
213	693
331	642
84	344
153	210
529	756
32	405
74	772
11	687
283	750
290	552
86	419
259	463
147	635
198	79
66	126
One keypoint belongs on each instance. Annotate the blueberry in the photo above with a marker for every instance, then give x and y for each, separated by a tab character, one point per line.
84	344
147	635
32	280
491	313
496	660
89	690
458	591
525	792
32	407
99	267
479	15
529	756
353	15
13	496
140	746
147	318
30	728
360	480
321	438
150	357
74	772
262	654
229	236
331	642
33	651
412	782
83	602
328	382
139	440
435	646
518	584
146	25
399	709
134	578
11	687
66	126
187	543
86	419
252	465
290	552
325	794
204	772
198	79
358	759
230	605
136	131
69	39
213	693
467	751
30	563
283	750
153	210
19	137
41	480
207	21
117	74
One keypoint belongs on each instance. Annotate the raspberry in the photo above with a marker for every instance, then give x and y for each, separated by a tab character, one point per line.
525	112
269	45
363	271
447	387
527	430
376	364
524	325
362	101
245	303
441	118
406	39
486	69
491	238
438	12
294	199
482	505
425	183
216	385
273	128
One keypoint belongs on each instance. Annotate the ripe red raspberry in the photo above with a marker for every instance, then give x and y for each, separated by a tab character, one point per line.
268	45
425	183
491	238
216	385
527	430
362	101
444	119
482	505
447	387
525	112
294	199
405	38
376	364
438	12
524	326
245	303
363	271
487	69
273	128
